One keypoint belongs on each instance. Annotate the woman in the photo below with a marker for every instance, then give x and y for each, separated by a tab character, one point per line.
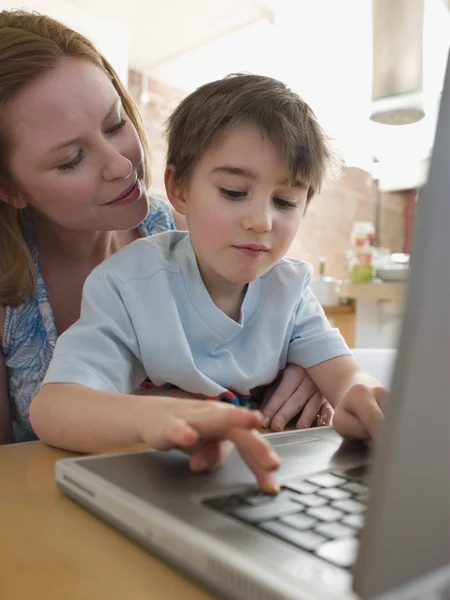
73	178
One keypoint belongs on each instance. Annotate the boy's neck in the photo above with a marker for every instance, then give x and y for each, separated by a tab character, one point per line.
230	304
226	295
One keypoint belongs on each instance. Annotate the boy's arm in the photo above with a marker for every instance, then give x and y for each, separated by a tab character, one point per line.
316	346
312	341
81	419
82	404
101	350
356	396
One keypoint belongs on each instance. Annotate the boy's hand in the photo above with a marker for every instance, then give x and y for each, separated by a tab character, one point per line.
359	413
357	397
295	394
208	431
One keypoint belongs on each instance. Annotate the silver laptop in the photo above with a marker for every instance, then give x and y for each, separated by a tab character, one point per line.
346	524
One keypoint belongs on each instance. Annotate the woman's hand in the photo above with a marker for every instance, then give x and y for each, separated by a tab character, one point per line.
208	431
295	395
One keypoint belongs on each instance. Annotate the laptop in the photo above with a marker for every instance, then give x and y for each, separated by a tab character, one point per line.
347	523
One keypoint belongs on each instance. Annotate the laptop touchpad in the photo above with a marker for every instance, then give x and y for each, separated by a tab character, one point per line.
305	456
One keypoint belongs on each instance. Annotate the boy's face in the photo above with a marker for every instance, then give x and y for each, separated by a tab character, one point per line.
242	213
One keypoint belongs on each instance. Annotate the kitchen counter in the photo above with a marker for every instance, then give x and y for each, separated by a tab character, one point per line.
383	290
378	312
339	310
343	317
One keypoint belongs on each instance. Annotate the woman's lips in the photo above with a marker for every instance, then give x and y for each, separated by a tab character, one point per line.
130	195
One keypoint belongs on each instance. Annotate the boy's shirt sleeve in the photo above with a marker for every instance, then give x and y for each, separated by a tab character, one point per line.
313	339
101	349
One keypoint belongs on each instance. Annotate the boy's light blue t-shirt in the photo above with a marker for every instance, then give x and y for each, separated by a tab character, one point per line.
146	314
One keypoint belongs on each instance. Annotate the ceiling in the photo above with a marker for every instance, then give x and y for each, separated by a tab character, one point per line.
162	31
321	48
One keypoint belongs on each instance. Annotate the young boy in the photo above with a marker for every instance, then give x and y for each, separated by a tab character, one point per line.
218	311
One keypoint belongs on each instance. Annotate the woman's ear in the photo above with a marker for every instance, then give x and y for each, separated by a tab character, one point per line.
15	201
174	190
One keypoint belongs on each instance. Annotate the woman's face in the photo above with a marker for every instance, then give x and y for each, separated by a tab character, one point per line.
74	154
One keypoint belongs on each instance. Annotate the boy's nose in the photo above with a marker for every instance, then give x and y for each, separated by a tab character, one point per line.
258	219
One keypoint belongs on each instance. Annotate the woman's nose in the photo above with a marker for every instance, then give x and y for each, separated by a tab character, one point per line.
117	166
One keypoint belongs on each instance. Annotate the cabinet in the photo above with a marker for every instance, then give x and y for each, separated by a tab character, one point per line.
343	317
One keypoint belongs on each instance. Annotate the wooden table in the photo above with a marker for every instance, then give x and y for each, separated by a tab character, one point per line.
52	549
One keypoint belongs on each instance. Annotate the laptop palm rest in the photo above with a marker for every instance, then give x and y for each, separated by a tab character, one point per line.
150	475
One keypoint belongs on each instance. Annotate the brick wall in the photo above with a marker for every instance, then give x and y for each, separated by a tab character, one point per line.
327	226
326	229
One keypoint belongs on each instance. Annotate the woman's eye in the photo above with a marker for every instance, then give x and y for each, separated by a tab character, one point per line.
233	194
79	157
73	163
117	126
281	203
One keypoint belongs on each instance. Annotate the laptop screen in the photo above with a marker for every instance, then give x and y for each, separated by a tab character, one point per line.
407	533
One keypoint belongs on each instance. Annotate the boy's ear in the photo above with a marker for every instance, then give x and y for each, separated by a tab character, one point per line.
15	201
174	190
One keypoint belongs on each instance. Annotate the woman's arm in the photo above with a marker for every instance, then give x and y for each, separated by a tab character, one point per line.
6	435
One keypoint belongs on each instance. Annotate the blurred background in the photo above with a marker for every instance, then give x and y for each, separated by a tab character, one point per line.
371	71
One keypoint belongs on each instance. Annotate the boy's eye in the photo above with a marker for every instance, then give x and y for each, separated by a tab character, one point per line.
233	194
280	202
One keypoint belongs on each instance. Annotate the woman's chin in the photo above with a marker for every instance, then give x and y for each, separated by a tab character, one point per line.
130	216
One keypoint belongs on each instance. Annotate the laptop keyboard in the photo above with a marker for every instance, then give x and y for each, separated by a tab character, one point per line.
322	514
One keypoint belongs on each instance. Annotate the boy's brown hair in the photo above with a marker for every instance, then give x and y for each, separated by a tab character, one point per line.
216	108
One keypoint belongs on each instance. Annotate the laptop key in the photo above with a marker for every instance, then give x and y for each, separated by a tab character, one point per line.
258	497
334	493
325	513
341	552
299	521
257	500
349	506
357	473
355	521
302	486
356	488
273	510
307	540
312	500
326	480
334	530
291	495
